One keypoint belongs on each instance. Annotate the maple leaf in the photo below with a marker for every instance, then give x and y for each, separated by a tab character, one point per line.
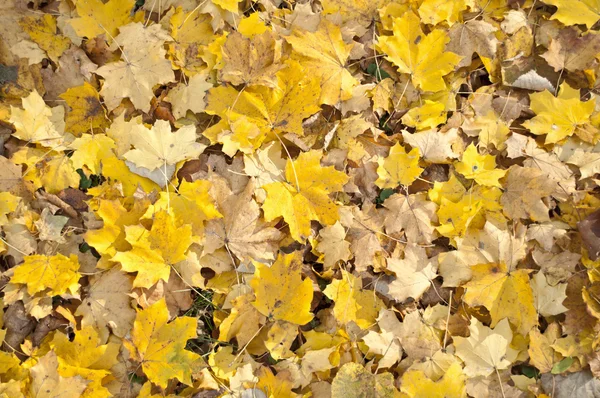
399	168
435	146
8	204
352	303
386	344
485	350
243	322
91	151
481	168
428	115
505	292
52	170
353	380
159	147
241	230
154	252
97	17
86	357
57	273
488	245
107	305
305	194
324	54
46	381
412	214
422	56
472	37
111	236
333	245
541	353
281	293
251	60
36	121
43	32
548	299
143	66
576	12
364	229
192	50
416	384
413	275
559	117
189	96
525	189
272	110
160	346
570	51
86	111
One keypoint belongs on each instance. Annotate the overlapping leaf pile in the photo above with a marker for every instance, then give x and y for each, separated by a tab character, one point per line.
299	198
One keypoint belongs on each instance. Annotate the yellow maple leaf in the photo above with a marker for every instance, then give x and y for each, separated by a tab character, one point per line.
422	56
275	386
352	303
46	382
273	110
429	115
193	37
470	211
86	357
281	294
43	31
54	171
35	122
86	112
57	273
436	11
143	66
154	252
354	381
8	204
506	293
399	168
481	168
159	147
251	61
324	54
117	170
333	245
575	12
189	96
541	353
415	383
559	117
304	196
361	11
111	237
97	17
191	204
90	151
243	322
485	350
160	346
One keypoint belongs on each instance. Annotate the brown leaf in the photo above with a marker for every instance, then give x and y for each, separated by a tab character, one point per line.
573	52
241	230
18	326
589	228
